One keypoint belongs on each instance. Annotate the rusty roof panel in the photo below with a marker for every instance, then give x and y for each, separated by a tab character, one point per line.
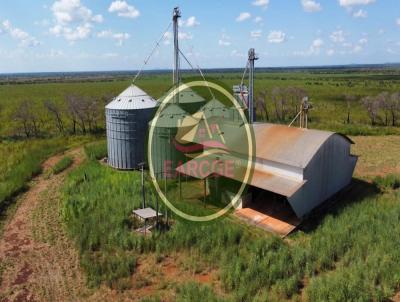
288	145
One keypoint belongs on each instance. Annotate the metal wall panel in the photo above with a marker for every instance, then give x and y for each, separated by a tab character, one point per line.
329	171
126	137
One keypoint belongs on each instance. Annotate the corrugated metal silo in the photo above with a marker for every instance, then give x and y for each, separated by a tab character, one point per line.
127	118
168	152
188	100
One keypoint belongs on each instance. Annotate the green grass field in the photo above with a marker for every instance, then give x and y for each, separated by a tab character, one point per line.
348	254
326	89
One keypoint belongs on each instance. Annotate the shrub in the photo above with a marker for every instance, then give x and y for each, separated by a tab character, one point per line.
192	291
389	182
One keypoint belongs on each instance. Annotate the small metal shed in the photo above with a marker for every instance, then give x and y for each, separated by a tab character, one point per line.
303	165
127	118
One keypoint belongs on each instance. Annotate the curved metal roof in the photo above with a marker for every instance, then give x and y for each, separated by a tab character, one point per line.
289	145
132	98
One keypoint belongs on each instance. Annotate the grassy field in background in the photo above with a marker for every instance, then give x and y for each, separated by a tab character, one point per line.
325	89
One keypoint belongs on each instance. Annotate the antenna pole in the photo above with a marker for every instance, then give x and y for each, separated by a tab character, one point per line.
176	15
252	58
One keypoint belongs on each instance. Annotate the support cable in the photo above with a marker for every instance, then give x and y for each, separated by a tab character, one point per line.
198	68
151	53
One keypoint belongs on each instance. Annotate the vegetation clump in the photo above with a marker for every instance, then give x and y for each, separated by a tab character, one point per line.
62	164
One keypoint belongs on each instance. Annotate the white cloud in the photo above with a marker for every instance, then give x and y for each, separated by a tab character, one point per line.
363	41
357	49
73	11
119	37
360	14
225	40
123	9
258	19
235	53
243	16
255	34
43	23
398	21
310	6
168	36
276	36
184	36
191	21
73	20
98	19
330	52
25	39
262	3
314	49
316	45
337	36
52	54
349	3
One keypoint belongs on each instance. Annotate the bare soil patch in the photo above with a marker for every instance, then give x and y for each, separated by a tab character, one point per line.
32	268
378	155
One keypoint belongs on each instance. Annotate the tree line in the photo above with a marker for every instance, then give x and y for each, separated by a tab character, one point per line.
283	104
79	114
75	114
382	109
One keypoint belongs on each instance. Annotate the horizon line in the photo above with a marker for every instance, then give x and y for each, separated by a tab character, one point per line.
210	68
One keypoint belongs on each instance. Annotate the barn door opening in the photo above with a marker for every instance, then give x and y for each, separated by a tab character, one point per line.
269	211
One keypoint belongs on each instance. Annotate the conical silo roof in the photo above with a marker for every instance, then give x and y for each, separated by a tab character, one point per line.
189	100
214	108
188	96
172	116
132	98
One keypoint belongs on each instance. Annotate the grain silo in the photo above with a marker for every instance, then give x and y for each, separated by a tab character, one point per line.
187	99
168	150
127	118
215	109
190	101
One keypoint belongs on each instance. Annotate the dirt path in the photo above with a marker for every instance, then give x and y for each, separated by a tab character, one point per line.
37	261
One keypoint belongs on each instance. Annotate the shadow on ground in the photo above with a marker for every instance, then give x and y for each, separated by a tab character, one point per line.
358	191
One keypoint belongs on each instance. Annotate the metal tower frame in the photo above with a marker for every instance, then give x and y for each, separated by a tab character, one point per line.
252	111
176	15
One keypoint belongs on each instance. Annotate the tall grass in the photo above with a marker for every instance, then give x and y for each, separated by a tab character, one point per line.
62	164
352	254
98	203
21	160
96	150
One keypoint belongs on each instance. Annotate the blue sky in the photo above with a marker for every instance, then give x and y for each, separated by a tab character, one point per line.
80	35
